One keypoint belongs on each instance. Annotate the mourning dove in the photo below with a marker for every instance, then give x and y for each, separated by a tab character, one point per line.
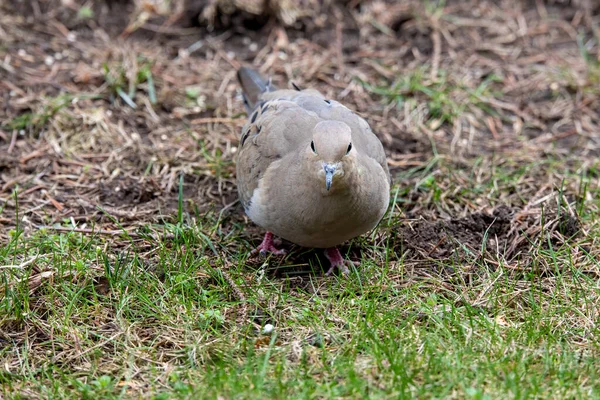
309	170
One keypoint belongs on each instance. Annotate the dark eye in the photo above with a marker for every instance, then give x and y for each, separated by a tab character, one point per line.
349	148
312	146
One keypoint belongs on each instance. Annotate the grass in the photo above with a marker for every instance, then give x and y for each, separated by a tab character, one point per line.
96	312
445	99
124	81
35	121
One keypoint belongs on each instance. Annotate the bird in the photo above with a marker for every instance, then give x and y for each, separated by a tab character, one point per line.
308	169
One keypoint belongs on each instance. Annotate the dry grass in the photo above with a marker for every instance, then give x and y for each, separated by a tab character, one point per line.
124	268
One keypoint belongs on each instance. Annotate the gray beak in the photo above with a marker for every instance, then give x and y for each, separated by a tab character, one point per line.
329	171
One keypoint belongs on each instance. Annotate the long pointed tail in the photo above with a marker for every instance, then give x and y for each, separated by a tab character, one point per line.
253	85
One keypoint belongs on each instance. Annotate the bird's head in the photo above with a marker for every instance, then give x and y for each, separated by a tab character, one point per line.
332	152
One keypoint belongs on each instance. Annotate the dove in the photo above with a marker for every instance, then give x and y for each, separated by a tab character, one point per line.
309	170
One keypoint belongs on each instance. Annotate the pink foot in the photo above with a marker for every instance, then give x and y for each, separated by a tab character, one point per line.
267	246
337	261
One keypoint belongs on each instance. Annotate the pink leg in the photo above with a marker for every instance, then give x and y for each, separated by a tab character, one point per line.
267	246
337	261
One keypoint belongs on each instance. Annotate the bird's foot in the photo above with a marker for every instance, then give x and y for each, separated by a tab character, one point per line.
267	246
337	261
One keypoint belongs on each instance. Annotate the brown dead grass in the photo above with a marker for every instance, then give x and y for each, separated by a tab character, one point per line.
84	148
85	152
545	102
88	155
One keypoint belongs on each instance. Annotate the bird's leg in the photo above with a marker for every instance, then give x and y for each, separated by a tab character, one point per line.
337	261
267	246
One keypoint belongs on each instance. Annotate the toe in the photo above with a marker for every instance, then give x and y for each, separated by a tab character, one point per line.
344	270
263	251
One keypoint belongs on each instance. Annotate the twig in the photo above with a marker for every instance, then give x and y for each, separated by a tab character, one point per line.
437	51
97	231
54	202
339	39
238	294
34	154
90	349
13	140
20	266
112	210
213	120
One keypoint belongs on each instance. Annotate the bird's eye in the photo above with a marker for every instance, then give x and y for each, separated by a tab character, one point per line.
349	148
312	146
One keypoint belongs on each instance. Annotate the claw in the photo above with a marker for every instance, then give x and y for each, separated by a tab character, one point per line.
337	261
267	246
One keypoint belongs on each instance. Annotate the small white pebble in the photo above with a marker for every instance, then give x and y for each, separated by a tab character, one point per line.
136	136
201	101
253	46
58	56
267	329
233	149
49	60
282	56
183	54
22	132
12	93
164	137
21	53
71	36
108	112
554	86
230	54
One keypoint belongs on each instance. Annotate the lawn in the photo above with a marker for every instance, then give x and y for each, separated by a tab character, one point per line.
124	253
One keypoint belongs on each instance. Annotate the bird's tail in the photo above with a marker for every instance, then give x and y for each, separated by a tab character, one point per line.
253	85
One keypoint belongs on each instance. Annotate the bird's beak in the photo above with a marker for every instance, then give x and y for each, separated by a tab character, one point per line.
329	171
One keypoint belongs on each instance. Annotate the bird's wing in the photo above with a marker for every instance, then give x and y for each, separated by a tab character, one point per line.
281	121
277	126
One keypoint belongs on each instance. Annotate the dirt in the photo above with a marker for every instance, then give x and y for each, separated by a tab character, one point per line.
542	104
444	239
127	190
496	235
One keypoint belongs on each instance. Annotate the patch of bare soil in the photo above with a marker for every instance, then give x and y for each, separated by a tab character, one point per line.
446	238
503	235
129	191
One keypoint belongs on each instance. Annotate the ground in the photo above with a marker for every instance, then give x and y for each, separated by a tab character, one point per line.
124	254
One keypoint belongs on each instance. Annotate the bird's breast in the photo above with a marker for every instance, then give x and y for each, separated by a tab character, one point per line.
311	218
